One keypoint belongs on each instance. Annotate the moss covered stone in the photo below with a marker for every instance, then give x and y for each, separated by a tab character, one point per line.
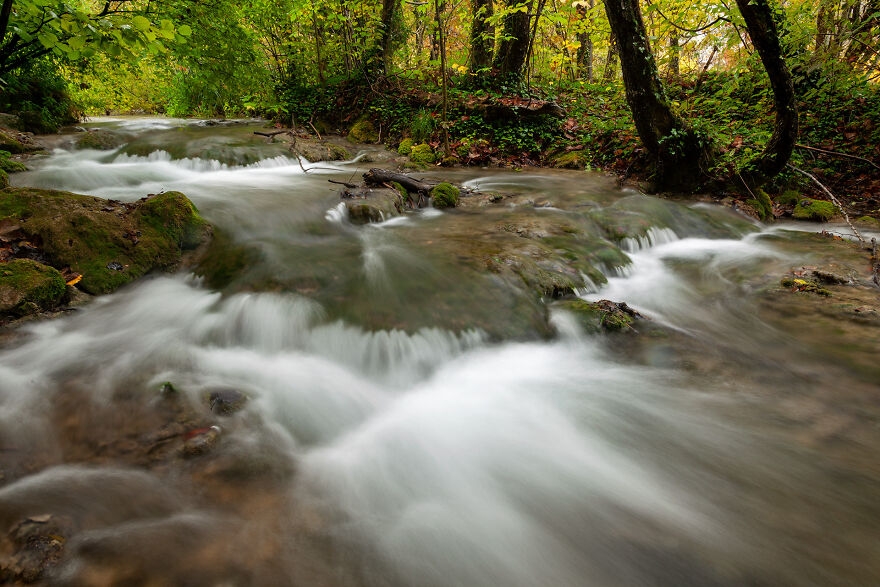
603	315
405	147
4	179
788	198
817	210
363	131
10	165
444	195
8	142
27	287
99	140
377	205
422	154
109	243
571	160
762	204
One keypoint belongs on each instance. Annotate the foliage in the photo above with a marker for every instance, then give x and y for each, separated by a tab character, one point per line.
405	147
38	96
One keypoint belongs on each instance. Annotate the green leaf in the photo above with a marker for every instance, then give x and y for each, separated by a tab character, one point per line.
184	30
77	43
140	23
48	40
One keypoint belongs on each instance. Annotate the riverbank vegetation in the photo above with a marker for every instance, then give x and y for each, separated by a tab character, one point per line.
730	100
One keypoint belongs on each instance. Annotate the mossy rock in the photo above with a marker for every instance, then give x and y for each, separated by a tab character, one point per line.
422	154
10	165
868	221
601	316
788	198
444	195
108	242
8	142
816	210
99	140
4	179
363	131
28	287
571	160
804	285
322	151
762	204
405	147
377	205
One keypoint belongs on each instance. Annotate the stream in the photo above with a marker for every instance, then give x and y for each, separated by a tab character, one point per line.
413	420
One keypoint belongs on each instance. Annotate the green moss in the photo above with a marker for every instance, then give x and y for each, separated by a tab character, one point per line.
4	179
9	165
868	221
402	190
99	140
422	154
110	245
804	285
817	210
27	287
571	160
405	147
788	198
762	204
444	195
599	316
450	161
11	144
363	131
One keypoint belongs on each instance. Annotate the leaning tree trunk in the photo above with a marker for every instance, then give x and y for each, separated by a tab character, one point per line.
765	38
513	50
482	35
677	154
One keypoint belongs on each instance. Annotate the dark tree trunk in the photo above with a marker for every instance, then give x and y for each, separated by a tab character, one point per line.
482	35
387	34
764	35
674	61
5	13
513	50
677	153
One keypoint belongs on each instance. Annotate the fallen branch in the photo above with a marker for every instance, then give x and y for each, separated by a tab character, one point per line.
837	154
383	176
270	134
345	183
833	199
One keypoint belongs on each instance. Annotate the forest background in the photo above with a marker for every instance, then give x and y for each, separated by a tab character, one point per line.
479	82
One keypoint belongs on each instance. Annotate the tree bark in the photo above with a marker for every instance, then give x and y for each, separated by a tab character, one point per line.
677	154
513	49
482	35
765	38
585	50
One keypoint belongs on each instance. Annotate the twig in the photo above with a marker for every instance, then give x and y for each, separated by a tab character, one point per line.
350	186
838	154
316	130
833	199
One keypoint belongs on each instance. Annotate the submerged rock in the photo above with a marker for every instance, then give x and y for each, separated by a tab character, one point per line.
37	543
603	315
226	400
367	205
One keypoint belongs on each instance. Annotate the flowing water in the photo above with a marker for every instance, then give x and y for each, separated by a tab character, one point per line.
414	420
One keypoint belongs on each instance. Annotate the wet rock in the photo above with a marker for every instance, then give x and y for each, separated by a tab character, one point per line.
603	315
74	232
226	401
100	140
367	205
37	544
200	441
27	287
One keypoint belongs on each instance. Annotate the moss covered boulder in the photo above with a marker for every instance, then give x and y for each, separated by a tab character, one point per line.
602	316
444	195
373	205
28	287
363	131
109	243
16	142
422	154
100	140
816	210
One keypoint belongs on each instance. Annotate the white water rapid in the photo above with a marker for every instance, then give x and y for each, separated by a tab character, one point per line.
707	450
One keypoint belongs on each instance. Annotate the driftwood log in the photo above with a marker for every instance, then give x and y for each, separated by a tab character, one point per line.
384	177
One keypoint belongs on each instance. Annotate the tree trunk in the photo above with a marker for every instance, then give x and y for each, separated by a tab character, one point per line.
677	153
674	61
482	35
5	13
763	32
387	35
585	49
514	47
610	59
